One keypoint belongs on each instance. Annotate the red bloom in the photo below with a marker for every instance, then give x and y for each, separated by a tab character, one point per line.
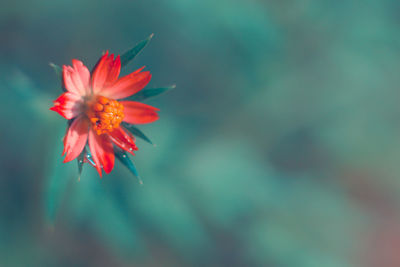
91	102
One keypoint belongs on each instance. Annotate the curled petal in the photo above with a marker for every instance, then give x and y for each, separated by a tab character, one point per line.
76	78
105	72
124	140
68	105
102	151
128	85
139	113
76	138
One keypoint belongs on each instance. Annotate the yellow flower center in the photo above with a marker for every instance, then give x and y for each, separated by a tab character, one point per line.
105	114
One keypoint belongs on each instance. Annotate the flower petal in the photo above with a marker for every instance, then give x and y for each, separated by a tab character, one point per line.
76	138
102	151
76	78
128	85
139	113
123	139
105	72
68	105
84	75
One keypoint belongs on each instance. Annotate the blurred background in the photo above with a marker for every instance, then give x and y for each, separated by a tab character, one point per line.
280	145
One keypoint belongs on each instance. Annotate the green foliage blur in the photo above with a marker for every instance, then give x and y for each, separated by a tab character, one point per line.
279	146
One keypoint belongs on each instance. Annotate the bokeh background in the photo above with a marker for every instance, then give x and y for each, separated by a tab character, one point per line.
280	145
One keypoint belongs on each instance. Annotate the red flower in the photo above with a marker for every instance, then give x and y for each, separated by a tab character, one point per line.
91	102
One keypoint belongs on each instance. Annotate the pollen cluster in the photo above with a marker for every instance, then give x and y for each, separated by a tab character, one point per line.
105	114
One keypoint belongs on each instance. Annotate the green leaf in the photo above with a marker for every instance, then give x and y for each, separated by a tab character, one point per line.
123	157
132	53
148	93
60	176
136	132
57	69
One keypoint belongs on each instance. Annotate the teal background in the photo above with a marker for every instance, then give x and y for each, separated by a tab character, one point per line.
280	145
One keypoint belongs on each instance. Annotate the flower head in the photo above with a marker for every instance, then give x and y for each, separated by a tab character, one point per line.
92	103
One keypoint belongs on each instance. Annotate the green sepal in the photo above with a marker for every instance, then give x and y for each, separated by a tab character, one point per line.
132	53
88	156
149	93
137	132
57	69
124	158
81	161
84	157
